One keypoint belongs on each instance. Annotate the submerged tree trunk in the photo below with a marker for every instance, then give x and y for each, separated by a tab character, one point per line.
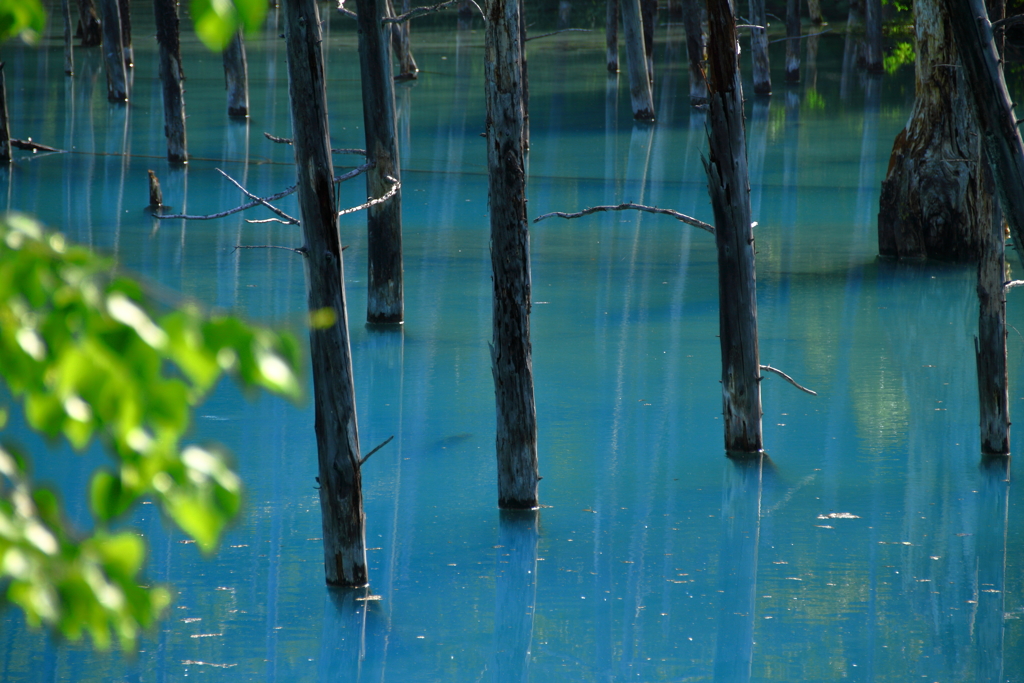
729	187
89	23
384	297
695	52
511	352
113	52
933	201
873	26
636	61
611	35
337	435
236	77
167	37
759	48
793	41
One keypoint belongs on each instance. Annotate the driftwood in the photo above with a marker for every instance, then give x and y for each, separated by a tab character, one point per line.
629	206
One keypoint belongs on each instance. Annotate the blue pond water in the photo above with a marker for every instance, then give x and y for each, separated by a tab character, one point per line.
870	546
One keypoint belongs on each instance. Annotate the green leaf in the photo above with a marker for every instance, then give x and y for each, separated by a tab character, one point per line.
26	18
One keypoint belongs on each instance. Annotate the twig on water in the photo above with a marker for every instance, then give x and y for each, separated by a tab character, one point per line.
367	456
286	218
689	220
789	379
380	200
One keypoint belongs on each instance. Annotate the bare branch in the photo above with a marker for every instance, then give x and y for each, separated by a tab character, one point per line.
689	220
346	12
33	146
268	220
300	250
264	202
419	12
1002	23
367	456
336	150
809	35
555	33
396	185
789	379
1012	283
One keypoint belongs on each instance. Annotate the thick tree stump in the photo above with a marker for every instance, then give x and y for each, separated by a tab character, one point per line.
89	23
695	52
337	434
759	48
384	297
236	78
113	52
933	202
611	35
729	187
168	39
511	352
636	61
793	41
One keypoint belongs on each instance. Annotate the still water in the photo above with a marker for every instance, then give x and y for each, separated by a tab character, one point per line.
870	546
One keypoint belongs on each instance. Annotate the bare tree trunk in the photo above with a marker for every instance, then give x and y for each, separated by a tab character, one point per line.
113	52
69	58
996	11
407	68
511	353
873	26
337	435
611	35
90	24
167	37
695	52
526	76
5	122
990	344
636	61
125	12
933	201
793	42
759	48
729	187
236	77
649	14
814	11
384	297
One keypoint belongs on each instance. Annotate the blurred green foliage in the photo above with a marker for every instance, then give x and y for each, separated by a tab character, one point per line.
83	352
216	21
25	18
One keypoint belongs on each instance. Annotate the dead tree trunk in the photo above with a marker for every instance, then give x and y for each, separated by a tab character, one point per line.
793	41
759	48
167	37
337	435
5	122
407	68
526	76
89	23
511	353
384	297
649	14
814	12
125	12
236	78
990	344
69	58
729	187
695	52
873	31
113	52
933	201
611	35
636	61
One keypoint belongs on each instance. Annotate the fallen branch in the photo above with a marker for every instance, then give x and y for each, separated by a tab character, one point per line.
373	202
789	379
286	218
689	220
339	150
33	146
367	456
555	33
300	250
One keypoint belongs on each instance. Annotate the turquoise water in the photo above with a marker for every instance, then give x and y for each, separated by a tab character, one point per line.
870	546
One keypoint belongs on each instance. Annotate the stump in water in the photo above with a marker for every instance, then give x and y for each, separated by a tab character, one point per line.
933	202
759	48
729	187
873	34
5	123
695	52
793	41
611	35
337	435
384	297
125	13
156	196
636	61
511	352
407	68
814	12
649	14
236	78
69	59
990	344
113	53
167	37
89	23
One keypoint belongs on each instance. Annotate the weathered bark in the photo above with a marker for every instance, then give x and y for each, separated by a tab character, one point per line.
759	48
511	353
793	41
113	52
125	12
337	435
89	23
236	77
695	52
636	61
69	57
649	14
933	203
729	188
814	12
990	344
611	35
167	37
5	122
156	195
873	28
525	75
996	11
384	297
407	68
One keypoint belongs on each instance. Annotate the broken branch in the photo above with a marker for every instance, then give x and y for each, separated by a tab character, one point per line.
420	11
367	456
264	202
339	150
789	379
33	146
689	220
380	200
